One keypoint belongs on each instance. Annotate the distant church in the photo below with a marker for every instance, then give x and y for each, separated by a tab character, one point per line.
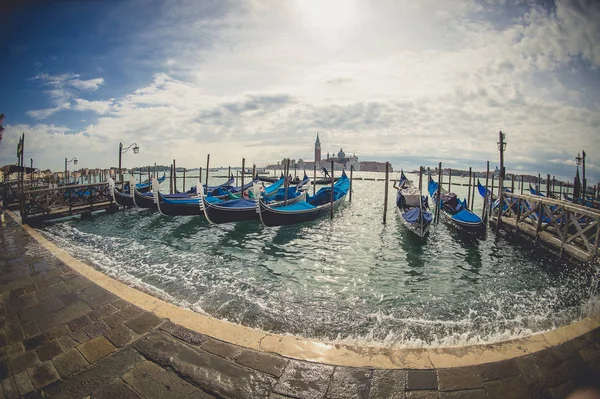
341	159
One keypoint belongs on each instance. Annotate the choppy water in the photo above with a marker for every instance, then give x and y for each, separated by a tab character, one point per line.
351	279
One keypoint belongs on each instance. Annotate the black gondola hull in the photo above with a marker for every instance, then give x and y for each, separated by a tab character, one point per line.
272	217
143	201
473	228
123	199
171	209
218	216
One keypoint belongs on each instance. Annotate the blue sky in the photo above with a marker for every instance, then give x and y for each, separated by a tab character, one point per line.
410	82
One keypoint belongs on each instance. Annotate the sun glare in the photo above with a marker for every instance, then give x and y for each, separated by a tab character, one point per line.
327	14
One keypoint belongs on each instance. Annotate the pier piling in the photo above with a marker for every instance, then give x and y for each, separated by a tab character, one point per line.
331	200
315	179
387	185
207	169
438	202
469	204
243	172
351	170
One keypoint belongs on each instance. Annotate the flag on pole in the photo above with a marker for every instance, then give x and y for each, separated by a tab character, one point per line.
576	187
19	147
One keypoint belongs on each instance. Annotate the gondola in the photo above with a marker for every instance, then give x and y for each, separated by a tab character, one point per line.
119	197
303	211
144	186
244	209
413	207
455	211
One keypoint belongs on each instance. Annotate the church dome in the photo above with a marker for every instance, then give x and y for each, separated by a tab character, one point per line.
341	154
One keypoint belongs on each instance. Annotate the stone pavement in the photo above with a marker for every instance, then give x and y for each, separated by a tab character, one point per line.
62	336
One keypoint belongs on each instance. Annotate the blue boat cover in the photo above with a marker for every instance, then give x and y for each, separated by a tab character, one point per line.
304	180
466	216
412	216
432	187
403	179
482	190
238	203
274	187
298	206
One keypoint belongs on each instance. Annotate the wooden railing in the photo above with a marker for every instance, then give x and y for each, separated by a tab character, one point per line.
64	201
564	226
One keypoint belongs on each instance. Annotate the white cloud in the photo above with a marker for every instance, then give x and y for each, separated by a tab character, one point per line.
64	92
401	78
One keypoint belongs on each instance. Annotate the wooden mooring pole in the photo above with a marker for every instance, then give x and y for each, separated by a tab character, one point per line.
469	204
485	199
174	177
207	169
521	184
243	173
331	197
314	179
439	194
171	179
449	180
287	181
387	185
548	189
184	170
351	170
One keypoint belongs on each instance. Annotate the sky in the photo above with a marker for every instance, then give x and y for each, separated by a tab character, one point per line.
413	83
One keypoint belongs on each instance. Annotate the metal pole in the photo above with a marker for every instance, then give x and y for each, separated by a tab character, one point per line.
584	181
31	175
65	176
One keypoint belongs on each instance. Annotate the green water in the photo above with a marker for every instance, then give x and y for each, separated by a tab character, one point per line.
352	279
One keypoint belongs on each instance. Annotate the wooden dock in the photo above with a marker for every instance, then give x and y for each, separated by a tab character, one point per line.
562	227
53	203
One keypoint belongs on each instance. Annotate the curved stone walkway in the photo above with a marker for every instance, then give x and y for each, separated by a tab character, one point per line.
63	336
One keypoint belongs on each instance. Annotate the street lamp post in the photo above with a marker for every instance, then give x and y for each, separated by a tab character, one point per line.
122	150
583	177
67	163
501	147
576	194
31	171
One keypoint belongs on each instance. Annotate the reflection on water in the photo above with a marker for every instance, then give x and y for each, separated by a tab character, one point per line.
350	279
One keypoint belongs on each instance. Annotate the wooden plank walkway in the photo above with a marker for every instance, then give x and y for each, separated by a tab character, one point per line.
565	228
58	202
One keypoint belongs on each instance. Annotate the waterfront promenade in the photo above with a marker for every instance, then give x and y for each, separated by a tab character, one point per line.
64	335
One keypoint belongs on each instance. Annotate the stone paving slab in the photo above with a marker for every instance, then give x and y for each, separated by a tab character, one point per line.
63	336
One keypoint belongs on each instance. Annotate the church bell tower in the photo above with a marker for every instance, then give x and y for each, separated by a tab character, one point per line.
317	149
